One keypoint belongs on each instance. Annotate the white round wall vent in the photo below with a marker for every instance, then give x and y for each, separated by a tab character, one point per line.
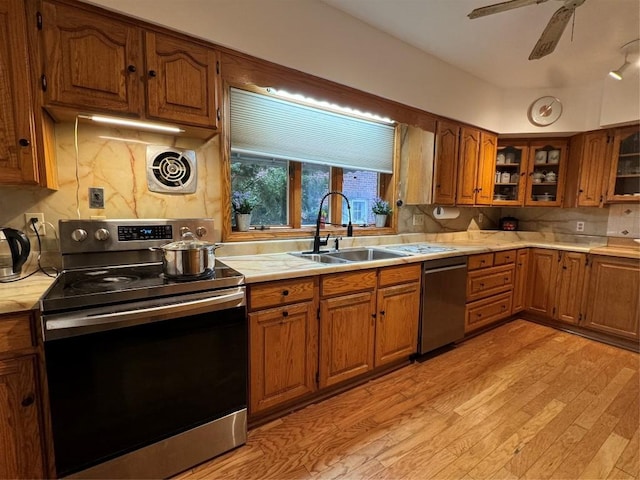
171	170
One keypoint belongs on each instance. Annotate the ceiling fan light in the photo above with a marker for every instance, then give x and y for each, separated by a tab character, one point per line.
617	74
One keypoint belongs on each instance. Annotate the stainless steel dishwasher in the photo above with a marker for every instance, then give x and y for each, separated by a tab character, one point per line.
443	303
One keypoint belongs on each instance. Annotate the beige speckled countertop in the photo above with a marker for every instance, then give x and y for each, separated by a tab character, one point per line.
265	261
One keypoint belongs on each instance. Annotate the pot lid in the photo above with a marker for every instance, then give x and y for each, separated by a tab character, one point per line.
189	243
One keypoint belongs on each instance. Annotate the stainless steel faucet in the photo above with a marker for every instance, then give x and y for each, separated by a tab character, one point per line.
317	242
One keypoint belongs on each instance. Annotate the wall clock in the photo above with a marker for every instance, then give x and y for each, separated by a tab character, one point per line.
545	111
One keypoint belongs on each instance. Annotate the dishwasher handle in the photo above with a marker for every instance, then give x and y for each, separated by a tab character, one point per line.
428	271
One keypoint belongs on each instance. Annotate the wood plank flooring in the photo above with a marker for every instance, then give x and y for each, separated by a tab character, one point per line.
521	401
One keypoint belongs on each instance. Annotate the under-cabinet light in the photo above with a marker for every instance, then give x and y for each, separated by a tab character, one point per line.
133	123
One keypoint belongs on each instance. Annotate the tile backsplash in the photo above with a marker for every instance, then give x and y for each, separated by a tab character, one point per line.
624	221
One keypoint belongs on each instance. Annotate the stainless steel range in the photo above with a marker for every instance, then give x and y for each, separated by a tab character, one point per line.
147	374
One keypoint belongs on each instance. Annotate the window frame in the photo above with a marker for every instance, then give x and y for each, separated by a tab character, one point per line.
239	77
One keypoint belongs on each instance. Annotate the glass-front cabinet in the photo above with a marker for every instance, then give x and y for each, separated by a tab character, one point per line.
546	173
624	180
510	173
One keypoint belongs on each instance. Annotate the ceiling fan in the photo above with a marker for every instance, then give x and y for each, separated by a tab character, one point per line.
552	32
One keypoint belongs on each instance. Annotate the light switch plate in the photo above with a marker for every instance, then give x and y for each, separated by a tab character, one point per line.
96	197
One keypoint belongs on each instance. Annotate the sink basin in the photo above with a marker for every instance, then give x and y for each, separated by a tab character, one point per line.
349	256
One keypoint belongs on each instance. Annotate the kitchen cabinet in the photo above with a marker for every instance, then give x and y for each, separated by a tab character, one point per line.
490	281
416	165
613	303
587	174
398	311
555	284
24	160
347	325
101	63
283	342
477	153
510	173
520	282
446	162
546	173
22	453
624	176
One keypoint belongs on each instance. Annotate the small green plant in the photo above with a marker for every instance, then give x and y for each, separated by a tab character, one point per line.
242	202
381	207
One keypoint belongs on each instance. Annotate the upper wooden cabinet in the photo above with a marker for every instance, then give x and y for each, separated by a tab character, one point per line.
546	173
624	176
446	162
416	165
23	159
100	63
588	176
510	173
468	155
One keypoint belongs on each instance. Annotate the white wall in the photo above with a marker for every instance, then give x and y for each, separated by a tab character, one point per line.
313	37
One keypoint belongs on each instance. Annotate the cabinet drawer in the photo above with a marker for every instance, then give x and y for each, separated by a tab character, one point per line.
15	332
271	294
490	281
504	258
349	282
482	260
486	311
400	274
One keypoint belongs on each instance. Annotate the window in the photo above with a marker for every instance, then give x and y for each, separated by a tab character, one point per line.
289	155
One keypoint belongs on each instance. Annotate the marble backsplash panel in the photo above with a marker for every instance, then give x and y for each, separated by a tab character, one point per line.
624	221
560	220
115	160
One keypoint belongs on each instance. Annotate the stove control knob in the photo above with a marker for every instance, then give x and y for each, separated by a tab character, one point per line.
201	232
79	235
101	234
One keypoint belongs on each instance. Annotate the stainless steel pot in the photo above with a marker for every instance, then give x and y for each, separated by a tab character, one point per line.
188	257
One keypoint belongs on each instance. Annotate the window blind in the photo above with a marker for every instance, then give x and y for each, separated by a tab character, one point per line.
268	126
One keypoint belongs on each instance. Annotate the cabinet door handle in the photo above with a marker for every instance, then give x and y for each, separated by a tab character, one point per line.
381	312
24	142
373	315
478	315
28	400
132	68
285	292
482	285
285	314
152	73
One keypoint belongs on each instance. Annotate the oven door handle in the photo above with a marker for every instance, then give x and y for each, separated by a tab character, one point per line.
70	325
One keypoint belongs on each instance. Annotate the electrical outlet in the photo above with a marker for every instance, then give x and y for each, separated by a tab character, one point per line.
418	220
480	218
42	231
579	226
96	197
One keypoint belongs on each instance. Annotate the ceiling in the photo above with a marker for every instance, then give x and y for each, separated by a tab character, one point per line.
496	48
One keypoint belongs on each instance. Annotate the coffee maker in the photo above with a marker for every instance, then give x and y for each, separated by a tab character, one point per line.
14	251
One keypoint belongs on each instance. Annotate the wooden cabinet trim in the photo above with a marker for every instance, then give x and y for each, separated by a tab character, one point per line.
348	282
399	274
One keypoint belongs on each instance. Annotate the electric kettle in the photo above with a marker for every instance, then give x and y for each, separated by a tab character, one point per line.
14	251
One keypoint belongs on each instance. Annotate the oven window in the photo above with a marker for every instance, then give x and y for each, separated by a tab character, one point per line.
116	391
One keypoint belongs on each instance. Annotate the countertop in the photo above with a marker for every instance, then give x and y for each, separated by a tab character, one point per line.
261	266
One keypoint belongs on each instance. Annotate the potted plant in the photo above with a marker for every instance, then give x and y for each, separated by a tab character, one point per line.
242	204
381	209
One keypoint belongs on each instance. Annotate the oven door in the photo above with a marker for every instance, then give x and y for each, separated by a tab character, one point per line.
119	390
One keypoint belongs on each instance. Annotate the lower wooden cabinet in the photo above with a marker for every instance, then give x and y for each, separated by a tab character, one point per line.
520	281
22	452
490	283
555	284
613	301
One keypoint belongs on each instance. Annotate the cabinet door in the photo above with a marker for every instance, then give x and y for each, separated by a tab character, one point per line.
20	440
347	326
613	303
570	283
468	156
593	174
543	266
416	165
17	155
520	283
181	81
510	173
485	175
546	173
447	136
91	61
397	322
624	177
283	360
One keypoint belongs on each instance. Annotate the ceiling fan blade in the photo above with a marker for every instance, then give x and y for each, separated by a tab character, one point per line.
502	7
552	33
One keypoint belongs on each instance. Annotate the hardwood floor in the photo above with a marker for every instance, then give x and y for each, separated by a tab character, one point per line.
521	401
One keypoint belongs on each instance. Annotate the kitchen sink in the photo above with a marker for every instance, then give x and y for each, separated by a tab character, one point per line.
350	255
